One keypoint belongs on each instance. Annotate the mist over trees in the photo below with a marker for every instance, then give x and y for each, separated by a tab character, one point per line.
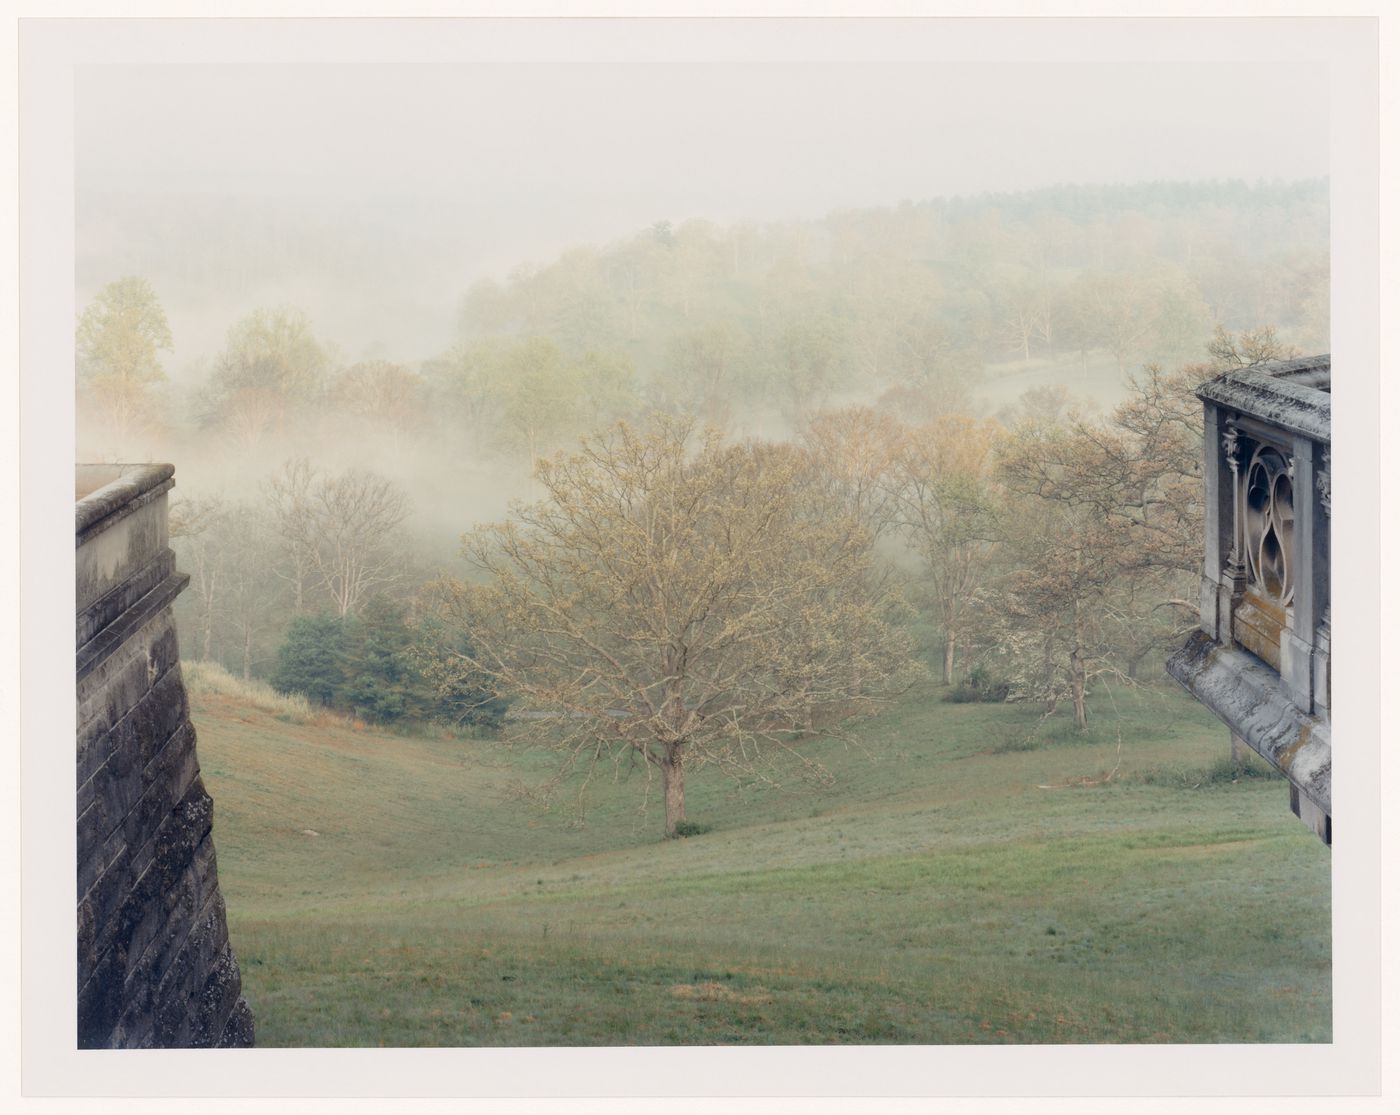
120	337
980	407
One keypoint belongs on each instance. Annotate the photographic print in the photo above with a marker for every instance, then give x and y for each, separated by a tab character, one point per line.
624	533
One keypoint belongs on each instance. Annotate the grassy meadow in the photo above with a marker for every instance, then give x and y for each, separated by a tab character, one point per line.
970	877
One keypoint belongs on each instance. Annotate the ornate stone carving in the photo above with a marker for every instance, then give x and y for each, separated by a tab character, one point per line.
1268	523
1230	442
1324	482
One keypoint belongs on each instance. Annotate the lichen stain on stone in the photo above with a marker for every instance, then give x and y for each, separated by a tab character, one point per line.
1286	756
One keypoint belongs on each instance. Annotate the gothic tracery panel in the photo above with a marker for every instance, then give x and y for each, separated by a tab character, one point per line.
1268	525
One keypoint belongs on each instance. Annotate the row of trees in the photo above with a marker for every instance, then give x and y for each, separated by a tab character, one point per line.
907	305
308	542
678	599
1051	544
679	595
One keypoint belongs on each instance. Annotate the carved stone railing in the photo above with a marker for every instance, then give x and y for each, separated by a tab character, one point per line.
1262	658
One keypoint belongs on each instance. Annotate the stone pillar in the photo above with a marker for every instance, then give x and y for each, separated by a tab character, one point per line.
1298	643
1322	649
1228	531
1221	473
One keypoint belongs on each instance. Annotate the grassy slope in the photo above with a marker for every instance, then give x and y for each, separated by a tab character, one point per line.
952	887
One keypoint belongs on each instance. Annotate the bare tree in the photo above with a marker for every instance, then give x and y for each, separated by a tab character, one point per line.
1100	522
941	495
356	516
338	533
1052	614
1248	348
1117	313
804	352
679	606
227	547
249	607
289	496
701	369
193	526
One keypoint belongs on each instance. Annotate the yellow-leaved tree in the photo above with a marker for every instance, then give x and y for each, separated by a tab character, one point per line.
119	339
678	600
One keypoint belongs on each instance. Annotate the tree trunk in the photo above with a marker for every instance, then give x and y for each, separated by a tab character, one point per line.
1136	659
673	779
950	642
1077	682
209	613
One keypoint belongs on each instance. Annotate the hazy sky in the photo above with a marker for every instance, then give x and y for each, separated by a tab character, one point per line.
450	173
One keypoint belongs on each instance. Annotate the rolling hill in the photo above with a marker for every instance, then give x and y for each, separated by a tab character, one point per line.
972	876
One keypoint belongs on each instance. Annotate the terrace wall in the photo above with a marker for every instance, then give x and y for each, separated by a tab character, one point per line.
155	968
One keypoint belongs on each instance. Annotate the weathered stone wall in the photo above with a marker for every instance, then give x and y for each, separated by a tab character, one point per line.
155	968
1261	660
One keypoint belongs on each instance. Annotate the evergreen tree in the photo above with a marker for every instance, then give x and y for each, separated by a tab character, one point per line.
312	659
381	681
460	696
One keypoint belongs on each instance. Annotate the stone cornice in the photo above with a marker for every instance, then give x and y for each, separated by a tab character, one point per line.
1283	394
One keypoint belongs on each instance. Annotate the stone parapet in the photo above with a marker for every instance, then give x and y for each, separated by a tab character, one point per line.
155	968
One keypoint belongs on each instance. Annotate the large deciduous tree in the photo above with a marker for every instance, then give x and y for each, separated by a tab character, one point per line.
120	336
1113	312
271	365
679	601
357	514
1105	527
804	352
1053	611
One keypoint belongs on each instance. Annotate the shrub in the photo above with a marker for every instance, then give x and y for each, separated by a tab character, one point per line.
1223	772
691	828
979	687
371	666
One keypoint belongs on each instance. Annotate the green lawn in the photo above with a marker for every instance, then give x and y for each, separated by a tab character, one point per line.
956	884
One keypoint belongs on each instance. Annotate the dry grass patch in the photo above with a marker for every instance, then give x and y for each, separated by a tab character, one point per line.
718	993
209	679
